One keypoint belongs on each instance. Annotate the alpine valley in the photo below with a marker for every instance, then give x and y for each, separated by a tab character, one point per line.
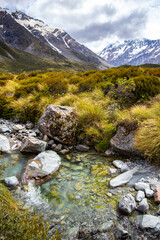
132	52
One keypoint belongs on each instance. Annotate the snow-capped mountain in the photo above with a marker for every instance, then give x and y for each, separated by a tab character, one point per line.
31	35
132	52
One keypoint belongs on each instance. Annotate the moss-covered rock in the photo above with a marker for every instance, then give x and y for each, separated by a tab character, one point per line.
59	123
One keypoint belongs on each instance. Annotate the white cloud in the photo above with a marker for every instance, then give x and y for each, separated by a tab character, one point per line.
76	16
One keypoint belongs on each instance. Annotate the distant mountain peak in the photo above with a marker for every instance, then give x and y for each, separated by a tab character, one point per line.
34	32
132	52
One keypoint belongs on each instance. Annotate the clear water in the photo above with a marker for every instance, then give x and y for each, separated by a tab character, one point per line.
78	196
13	164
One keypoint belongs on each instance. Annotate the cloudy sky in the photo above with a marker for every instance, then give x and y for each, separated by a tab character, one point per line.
95	23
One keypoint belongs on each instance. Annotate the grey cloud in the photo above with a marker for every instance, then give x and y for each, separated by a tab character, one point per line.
71	19
69	4
15	3
10	2
108	10
124	28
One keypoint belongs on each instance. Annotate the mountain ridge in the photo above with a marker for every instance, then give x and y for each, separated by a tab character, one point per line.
56	42
132	52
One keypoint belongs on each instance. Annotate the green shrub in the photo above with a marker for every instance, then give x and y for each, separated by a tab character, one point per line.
146	87
56	82
89	82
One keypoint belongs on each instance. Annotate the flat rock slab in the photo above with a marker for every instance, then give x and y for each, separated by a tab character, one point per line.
4	144
147	221
4	128
141	186
43	166
123	178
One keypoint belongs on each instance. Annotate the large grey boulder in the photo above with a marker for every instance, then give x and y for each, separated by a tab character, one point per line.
33	145
42	167
123	178
127	204
4	144
11	181
123	142
59	123
148	222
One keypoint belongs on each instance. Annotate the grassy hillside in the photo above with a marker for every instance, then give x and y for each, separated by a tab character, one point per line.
103	99
15	61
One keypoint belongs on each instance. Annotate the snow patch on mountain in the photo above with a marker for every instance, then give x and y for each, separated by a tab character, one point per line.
56	39
134	52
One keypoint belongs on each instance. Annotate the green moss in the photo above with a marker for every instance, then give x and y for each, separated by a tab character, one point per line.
70	196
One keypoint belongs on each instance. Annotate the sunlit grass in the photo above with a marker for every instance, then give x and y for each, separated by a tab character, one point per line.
148	139
9	88
19	224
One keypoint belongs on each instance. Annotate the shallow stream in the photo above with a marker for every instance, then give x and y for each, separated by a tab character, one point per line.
78	196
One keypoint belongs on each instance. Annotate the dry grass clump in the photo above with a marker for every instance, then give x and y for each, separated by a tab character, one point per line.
148	139
148	133
67	100
89	111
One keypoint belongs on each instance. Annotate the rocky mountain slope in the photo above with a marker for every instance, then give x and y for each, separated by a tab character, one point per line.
132	52
17	61
33	36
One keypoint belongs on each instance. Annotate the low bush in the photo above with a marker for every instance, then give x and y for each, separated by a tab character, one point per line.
146	87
